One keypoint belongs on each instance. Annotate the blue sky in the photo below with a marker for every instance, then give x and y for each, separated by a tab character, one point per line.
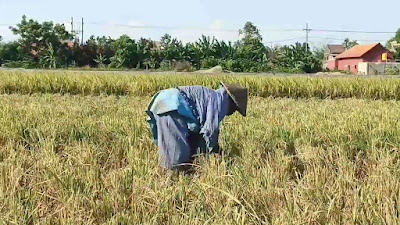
190	19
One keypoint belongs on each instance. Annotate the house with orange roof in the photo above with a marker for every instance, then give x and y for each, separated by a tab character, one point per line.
350	59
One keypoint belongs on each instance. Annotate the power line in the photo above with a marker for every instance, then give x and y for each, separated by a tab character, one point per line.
342	39
184	28
284	40
323	38
229	30
281	30
307	29
161	27
353	31
236	30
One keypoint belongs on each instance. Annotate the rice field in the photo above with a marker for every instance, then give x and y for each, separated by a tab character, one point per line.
76	149
91	83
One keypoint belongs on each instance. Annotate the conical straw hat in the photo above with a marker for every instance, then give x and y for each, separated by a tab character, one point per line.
239	95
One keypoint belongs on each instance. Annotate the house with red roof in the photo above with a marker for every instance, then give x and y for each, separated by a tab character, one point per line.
349	60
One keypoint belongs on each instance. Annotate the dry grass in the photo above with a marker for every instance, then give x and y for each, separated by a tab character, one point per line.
86	83
90	160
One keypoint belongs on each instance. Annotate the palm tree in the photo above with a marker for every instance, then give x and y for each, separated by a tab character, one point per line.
49	58
205	46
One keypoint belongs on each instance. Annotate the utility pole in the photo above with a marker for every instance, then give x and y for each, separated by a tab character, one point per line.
82	32
77	31
307	30
72	25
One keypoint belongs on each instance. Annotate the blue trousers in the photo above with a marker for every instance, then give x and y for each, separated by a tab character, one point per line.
176	143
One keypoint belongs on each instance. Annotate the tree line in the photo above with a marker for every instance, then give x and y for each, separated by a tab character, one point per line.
49	45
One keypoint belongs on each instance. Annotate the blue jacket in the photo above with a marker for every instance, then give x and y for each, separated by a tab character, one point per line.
204	110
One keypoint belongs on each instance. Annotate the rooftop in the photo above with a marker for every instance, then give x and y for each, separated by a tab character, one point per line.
357	51
336	49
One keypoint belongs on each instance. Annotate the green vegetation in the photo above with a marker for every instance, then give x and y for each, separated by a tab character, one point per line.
347	43
48	45
393	70
396	38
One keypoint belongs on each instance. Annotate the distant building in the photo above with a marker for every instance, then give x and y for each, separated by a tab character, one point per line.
331	52
69	44
35	50
349	60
